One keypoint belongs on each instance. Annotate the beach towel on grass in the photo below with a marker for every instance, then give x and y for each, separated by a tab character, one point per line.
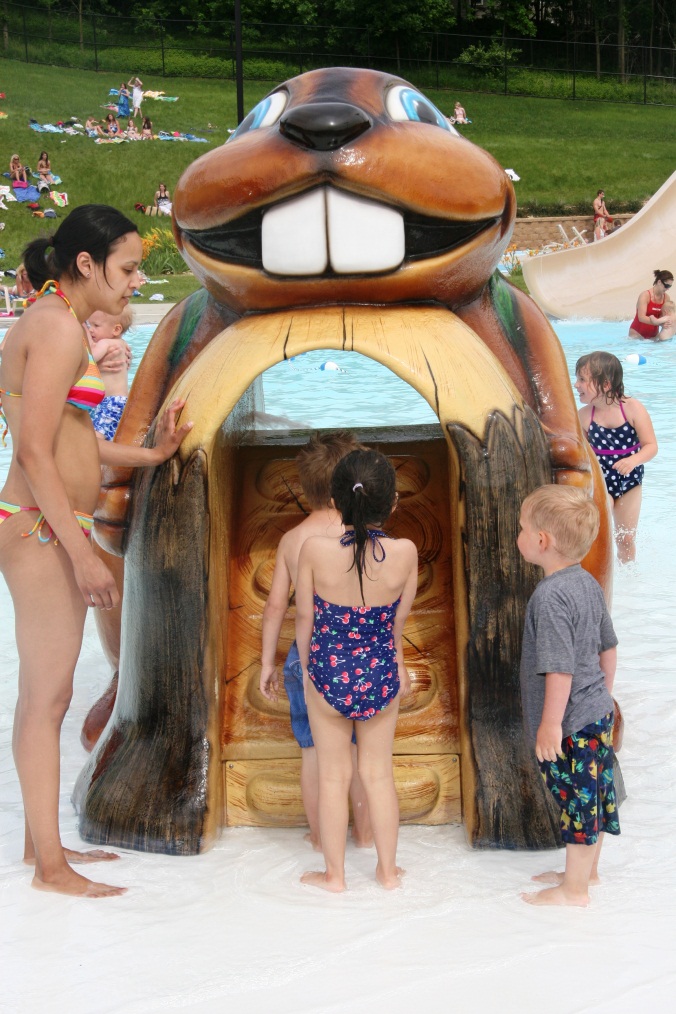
24	194
60	200
55	179
111	140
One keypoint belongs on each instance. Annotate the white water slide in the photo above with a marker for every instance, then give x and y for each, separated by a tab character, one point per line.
603	280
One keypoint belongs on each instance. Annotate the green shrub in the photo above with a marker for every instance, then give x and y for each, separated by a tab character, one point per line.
160	253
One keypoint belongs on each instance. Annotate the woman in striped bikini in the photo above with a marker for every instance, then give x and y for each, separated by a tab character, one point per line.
622	437
48	382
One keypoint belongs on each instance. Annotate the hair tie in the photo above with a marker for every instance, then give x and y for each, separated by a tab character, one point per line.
357	485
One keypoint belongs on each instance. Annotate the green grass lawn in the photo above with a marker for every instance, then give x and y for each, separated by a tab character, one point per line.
563	151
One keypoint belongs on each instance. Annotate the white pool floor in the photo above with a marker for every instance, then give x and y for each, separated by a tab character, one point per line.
233	930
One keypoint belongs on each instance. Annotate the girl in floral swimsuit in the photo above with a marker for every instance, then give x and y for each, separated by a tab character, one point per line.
353	656
622	437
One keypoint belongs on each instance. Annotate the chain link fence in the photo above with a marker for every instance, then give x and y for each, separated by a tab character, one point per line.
149	45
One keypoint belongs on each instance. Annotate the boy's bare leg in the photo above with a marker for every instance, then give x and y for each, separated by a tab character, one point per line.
554	877
309	790
362	832
375	739
332	734
574	888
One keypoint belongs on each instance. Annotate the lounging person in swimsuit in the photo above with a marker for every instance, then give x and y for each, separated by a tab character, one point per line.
163	200
110	125
352	655
18	172
622	437
45	168
49	382
652	320
316	462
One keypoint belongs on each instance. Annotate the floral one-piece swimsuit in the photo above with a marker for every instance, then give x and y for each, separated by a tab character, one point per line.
353	660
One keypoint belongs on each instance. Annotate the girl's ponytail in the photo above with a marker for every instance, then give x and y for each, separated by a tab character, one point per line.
40	265
359	514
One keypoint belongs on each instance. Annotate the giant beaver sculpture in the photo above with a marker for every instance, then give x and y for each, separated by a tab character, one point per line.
344	213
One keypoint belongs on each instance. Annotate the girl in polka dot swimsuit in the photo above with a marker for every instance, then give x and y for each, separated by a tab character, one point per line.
621	434
353	656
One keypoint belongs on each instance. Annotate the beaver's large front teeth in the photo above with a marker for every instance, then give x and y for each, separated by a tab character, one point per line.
328	228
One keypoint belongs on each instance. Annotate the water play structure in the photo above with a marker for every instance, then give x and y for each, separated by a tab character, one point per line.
603	280
345	213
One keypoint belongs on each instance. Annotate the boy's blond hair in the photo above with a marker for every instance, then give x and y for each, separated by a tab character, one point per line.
566	513
317	461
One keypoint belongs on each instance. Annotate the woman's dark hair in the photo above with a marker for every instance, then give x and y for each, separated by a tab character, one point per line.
604	369
363	490
91	228
147	122
663	276
45	154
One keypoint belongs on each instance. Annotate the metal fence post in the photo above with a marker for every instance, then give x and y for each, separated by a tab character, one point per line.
162	47
574	65
504	48
96	51
25	32
645	78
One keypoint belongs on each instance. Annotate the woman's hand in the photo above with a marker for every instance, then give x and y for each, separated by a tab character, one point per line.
167	438
269	682
95	581
116	358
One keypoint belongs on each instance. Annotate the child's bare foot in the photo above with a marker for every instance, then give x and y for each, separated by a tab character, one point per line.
391	881
69	882
315	842
361	843
71	856
553	877
556	896
320	878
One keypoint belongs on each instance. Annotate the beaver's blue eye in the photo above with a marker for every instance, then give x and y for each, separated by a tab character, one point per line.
264	114
405	103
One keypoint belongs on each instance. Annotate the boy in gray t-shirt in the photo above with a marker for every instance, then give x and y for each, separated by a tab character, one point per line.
568	660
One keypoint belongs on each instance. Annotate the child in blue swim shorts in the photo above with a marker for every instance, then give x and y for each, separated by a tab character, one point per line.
568	662
315	462
105	332
353	595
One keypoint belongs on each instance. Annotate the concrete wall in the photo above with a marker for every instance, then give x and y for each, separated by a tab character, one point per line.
532	233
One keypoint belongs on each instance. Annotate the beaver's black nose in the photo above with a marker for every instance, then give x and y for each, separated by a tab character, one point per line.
324	126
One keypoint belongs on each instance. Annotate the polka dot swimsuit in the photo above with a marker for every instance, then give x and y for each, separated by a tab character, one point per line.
610	444
353	660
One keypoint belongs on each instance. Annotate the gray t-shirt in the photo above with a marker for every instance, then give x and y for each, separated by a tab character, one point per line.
567	626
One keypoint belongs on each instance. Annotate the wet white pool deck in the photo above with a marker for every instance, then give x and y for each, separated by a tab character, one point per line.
234	931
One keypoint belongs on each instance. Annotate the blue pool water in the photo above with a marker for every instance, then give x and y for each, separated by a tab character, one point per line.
361	392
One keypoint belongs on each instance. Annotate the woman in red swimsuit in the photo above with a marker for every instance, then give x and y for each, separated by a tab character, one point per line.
650	317
49	381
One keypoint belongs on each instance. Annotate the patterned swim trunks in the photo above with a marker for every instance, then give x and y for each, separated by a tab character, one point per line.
106	416
582	784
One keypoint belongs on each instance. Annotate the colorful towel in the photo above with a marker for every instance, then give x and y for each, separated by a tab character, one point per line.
111	140
60	200
55	179
176	136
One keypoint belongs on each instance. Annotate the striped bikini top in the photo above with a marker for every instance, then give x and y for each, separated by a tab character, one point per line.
87	392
